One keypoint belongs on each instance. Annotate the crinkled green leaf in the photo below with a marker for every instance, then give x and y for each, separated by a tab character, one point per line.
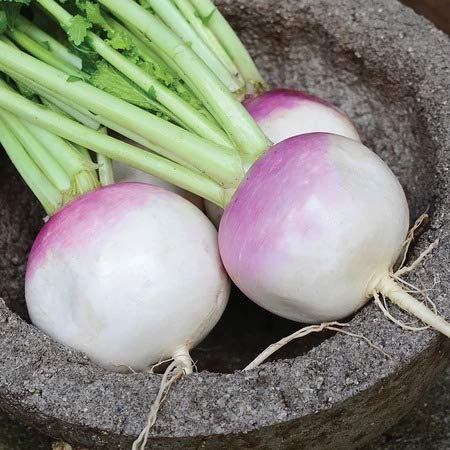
77	29
112	81
26	91
120	41
46	45
94	14
152	93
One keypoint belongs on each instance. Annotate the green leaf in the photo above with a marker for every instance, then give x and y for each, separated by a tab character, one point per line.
120	41
113	82
94	14
25	91
77	29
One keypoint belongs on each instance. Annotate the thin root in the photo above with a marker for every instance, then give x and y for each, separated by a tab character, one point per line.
176	369
385	304
158	364
364	338
387	314
332	326
422	292
396	276
410	238
407	269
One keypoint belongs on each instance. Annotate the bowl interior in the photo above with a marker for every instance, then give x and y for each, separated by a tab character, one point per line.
386	114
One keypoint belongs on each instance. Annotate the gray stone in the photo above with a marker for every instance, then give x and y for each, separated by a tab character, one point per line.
389	69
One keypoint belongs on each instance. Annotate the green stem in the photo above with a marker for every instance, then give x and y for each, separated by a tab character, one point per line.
37	152
112	148
57	159
80	169
82	115
182	110
57	103
49	197
169	62
60	107
37	50
130	135
85	117
173	18
186	114
231	42
145	52
220	163
231	115
84	152
154	50
148	52
208	37
105	166
42	37
105	170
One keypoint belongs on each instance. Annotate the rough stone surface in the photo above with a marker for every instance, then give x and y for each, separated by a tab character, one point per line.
427	426
389	69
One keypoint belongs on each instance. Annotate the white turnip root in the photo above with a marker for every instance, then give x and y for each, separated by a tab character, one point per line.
129	274
315	229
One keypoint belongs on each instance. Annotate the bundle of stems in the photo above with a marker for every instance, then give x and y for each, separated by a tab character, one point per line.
166	74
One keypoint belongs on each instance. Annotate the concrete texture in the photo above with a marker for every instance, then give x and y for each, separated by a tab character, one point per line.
389	70
427	426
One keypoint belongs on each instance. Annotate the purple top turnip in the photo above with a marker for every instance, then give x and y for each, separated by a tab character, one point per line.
111	273
283	113
317	222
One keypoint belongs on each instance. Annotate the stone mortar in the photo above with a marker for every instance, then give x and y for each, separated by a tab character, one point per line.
389	69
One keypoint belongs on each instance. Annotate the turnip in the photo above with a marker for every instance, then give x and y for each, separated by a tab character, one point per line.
315	229
102	270
112	273
283	113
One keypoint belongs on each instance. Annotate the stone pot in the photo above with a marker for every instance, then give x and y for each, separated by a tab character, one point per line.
386	67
